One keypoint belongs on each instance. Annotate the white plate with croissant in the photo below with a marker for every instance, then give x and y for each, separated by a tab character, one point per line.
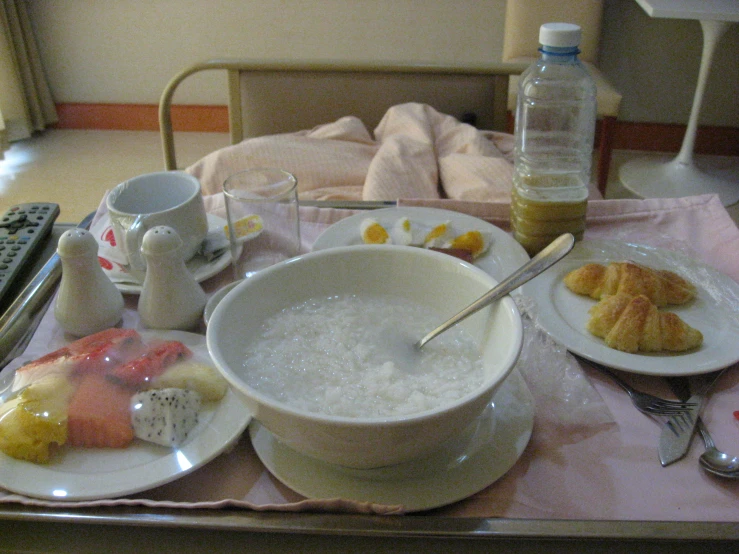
641	309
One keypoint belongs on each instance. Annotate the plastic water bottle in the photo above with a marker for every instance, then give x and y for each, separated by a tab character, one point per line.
555	127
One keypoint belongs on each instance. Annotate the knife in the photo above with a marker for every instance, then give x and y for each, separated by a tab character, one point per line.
678	430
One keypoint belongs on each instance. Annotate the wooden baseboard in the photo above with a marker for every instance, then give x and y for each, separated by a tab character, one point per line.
662	137
657	137
140	117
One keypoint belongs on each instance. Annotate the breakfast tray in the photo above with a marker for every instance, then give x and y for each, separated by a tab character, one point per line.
589	502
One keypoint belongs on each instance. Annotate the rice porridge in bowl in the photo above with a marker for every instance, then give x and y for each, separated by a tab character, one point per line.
321	347
341	365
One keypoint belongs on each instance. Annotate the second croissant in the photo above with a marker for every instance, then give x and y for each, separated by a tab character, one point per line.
634	324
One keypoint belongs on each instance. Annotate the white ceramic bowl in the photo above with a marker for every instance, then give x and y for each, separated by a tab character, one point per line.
438	280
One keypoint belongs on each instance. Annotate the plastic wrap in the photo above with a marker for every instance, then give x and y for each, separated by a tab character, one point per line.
659	251
563	393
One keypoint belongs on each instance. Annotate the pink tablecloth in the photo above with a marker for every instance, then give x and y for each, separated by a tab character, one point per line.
612	472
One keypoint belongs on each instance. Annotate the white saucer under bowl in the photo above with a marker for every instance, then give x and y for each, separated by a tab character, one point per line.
462	467
215	299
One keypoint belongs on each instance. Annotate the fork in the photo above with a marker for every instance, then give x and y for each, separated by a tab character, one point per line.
644	402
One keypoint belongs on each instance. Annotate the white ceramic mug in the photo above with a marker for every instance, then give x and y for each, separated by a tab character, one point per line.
171	198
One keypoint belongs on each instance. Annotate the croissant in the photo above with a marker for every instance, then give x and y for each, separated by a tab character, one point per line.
633	323
661	286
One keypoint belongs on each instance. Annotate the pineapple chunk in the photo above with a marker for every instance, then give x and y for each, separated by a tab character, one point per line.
195	376
35	419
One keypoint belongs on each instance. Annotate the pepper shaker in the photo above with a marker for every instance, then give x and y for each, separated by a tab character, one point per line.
87	301
171	298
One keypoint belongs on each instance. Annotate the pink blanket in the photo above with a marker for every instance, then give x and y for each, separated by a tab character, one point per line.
416	152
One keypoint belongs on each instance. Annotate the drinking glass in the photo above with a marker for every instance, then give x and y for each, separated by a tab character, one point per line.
263	222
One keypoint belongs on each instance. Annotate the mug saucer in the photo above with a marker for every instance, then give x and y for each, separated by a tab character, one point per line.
201	267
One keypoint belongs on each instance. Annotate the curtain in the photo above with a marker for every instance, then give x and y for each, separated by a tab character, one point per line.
26	104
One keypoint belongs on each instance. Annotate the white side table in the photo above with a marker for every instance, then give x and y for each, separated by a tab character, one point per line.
683	176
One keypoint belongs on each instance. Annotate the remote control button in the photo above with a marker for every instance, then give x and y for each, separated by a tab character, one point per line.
22	228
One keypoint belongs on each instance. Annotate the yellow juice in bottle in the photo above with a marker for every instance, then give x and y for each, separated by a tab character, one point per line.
536	223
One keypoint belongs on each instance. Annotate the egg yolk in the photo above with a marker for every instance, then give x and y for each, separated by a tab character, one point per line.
471	241
436	232
375	234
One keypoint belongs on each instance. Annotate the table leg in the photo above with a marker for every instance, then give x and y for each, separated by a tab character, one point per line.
683	176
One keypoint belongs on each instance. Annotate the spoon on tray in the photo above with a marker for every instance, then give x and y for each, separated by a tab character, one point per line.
713	460
555	251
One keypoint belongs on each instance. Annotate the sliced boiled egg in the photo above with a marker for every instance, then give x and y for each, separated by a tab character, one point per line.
474	242
439	235
374	233
403	232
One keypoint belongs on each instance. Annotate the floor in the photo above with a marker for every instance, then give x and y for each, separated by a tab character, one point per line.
75	168
72	167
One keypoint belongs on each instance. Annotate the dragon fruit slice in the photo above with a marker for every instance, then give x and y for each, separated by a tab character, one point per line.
165	416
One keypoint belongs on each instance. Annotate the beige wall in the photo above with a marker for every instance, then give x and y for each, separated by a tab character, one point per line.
655	63
124	51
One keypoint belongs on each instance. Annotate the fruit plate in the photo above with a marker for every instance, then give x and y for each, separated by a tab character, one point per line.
78	474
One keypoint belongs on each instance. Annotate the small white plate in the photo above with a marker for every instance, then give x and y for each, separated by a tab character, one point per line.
199	266
503	257
564	314
462	467
93	473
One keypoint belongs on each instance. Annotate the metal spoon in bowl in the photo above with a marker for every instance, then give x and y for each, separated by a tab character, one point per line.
713	460
554	252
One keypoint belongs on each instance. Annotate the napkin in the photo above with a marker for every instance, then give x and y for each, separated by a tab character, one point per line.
596	471
697	226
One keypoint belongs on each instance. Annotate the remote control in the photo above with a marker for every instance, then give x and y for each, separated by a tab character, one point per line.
23	228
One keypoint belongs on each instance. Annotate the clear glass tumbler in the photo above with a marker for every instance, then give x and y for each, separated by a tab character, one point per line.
263	220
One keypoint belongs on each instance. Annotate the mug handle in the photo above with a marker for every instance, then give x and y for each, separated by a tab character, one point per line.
133	238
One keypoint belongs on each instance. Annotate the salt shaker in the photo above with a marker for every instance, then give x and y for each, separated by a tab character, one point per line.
87	301
171	298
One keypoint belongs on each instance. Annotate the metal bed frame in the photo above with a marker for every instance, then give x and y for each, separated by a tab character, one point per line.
366	89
